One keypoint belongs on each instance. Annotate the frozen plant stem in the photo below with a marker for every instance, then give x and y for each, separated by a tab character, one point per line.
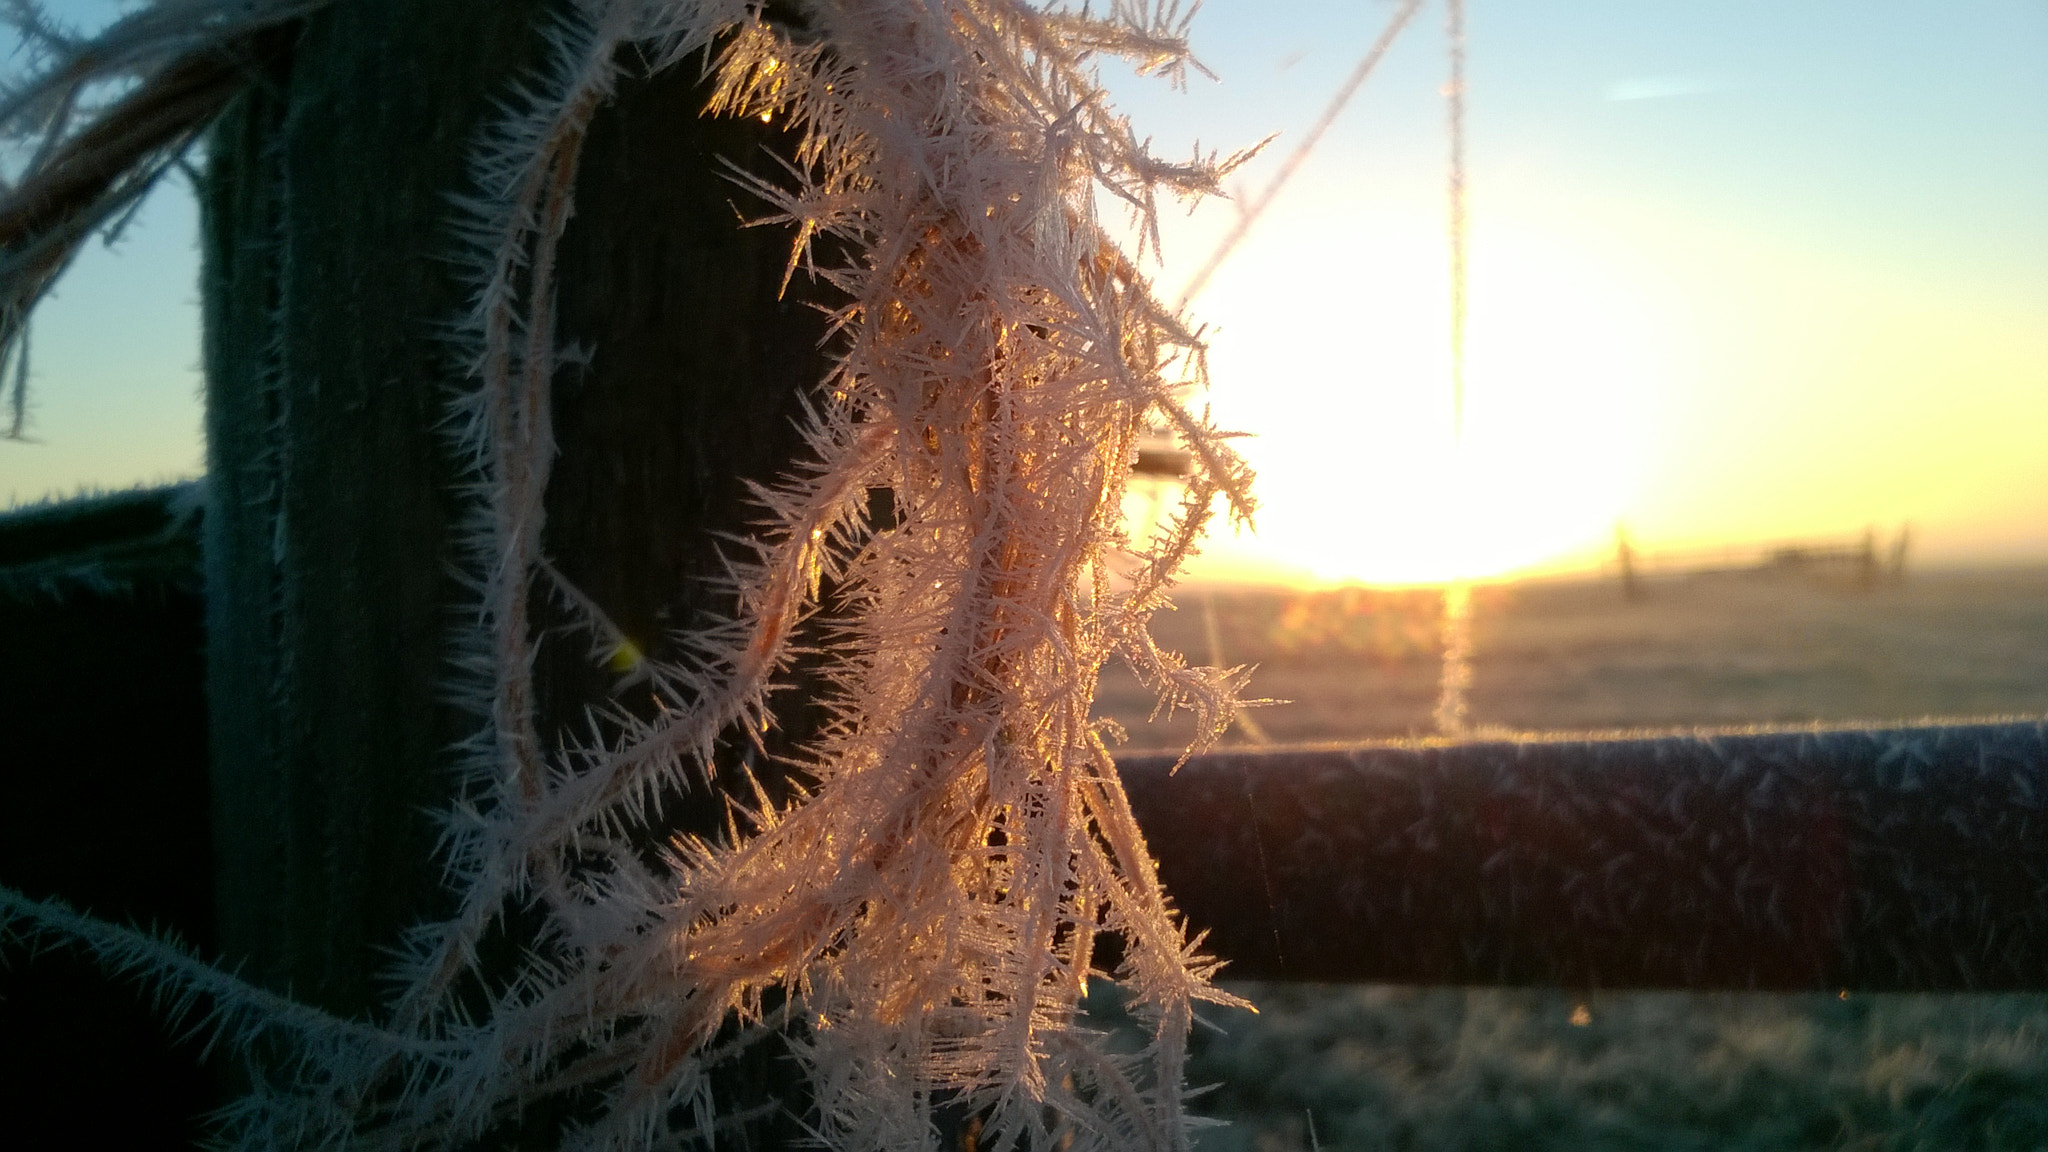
925	909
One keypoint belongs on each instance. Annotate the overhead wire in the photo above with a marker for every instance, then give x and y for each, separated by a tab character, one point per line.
1251	213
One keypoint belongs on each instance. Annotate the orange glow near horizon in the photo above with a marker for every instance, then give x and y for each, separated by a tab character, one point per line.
1725	290
1700	386
1361	479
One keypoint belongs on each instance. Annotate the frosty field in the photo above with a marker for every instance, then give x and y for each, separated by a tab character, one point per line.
1376	1067
1735	648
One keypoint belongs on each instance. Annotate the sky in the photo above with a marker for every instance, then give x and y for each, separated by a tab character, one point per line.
1740	272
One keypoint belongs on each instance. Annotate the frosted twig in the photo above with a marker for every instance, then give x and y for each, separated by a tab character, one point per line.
186	59
927	906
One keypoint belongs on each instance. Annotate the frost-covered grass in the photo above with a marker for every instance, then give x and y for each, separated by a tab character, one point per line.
1451	1070
1738	649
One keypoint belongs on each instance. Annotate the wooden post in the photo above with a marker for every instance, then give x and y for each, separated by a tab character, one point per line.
1625	558
104	769
329	287
326	285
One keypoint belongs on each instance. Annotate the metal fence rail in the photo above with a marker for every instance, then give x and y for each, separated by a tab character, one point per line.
1912	858
1876	859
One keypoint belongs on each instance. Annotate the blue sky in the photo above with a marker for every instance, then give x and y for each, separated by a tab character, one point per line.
1740	270
114	383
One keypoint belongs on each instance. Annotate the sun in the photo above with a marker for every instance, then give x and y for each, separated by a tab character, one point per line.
1345	387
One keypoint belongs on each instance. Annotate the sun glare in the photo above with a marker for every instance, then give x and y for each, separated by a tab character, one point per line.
1363	477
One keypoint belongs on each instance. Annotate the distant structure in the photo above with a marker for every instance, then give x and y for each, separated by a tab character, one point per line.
1625	559
1161	454
1859	558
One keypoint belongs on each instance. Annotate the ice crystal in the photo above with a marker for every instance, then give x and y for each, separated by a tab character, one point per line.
920	927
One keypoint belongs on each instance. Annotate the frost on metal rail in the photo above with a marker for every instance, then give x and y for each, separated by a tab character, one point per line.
1881	859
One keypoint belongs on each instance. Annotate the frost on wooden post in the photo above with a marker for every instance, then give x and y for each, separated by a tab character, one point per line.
921	926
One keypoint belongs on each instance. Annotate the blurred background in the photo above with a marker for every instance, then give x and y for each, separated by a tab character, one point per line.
1739	272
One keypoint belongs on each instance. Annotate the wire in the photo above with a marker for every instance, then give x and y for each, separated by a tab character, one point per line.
1454	93
1294	160
1452	706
